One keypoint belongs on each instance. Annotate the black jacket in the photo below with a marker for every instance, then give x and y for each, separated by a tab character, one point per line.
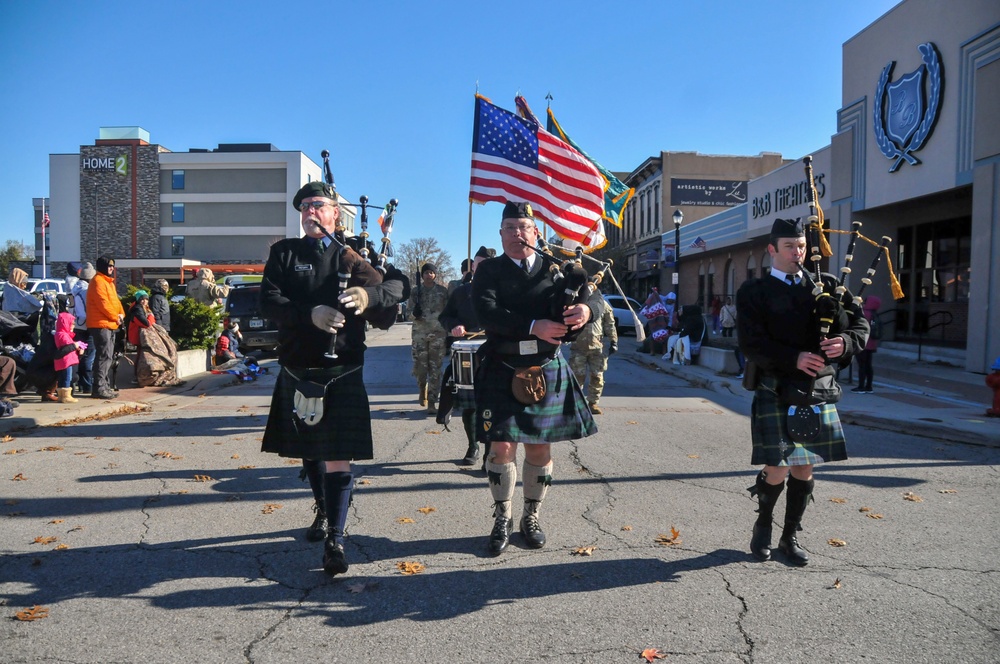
160	308
298	277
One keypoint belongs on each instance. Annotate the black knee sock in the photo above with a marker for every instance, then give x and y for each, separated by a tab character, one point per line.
799	493
337	489
314	473
469	422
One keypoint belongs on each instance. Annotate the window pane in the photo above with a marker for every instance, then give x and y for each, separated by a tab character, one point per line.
177	245
177	212
177	180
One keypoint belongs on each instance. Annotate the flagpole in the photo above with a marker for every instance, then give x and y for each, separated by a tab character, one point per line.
468	246
43	237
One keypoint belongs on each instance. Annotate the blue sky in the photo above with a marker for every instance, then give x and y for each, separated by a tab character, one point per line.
388	86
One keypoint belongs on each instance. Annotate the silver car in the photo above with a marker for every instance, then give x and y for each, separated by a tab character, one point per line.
622	309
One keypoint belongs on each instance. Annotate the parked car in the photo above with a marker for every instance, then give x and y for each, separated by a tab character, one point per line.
239	279
620	307
43	285
243	307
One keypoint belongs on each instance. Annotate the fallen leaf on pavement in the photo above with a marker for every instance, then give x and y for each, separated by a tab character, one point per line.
912	497
270	508
19	477
34	613
163	455
584	551
864	509
56	520
649	654
60	547
404	519
202	478
45	540
410	567
838	500
626	528
947	491
833	541
51	448
693	456
246	467
235	456
673	539
873	515
7	438
427	510
836	584
363	482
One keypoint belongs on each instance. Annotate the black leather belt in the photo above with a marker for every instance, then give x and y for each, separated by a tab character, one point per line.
519	347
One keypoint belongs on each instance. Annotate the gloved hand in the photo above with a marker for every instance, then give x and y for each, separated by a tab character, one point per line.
354	298
612	349
327	318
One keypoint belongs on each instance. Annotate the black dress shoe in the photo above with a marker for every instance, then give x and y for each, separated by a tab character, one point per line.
317	531
796	554
760	543
532	531
471	456
500	537
334	560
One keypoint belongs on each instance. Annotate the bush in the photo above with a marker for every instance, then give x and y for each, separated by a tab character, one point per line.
194	325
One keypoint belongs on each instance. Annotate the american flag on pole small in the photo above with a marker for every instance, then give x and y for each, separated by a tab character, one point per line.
516	159
45	220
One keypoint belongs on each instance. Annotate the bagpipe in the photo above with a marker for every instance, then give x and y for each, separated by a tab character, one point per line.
359	264
577	284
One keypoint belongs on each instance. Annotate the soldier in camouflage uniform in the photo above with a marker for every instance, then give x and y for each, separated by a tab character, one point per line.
588	353
427	337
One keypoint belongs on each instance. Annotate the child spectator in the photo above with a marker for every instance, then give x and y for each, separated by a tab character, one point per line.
67	356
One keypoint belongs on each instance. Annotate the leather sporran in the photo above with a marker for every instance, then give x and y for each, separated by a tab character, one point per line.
528	385
308	401
803	423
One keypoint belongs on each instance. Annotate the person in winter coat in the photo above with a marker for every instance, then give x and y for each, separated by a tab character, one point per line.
84	370
727	316
204	289
104	315
139	316
865	357
67	356
158	303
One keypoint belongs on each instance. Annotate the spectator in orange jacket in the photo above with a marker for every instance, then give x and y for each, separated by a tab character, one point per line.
104	316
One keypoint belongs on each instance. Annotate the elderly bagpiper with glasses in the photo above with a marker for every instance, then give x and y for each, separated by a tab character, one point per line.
320	411
525	391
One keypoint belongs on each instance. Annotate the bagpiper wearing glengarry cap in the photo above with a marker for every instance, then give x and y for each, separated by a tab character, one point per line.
319	409
524	389
794	422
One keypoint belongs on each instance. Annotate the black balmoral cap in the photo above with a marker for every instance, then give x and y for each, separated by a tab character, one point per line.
485	252
311	189
519	210
787	228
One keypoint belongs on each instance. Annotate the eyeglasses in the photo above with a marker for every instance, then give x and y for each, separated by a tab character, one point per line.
316	205
514	228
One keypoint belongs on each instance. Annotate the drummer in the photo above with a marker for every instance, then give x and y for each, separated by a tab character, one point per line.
459	319
514	295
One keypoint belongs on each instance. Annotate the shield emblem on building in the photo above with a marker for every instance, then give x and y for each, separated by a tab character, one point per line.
906	107
906	110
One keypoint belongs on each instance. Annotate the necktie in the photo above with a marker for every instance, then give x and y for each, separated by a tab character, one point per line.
792	280
524	265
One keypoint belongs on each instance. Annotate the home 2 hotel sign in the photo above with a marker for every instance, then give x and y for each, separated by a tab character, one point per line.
117	164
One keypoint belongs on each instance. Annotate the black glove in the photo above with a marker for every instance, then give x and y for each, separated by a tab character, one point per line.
612	349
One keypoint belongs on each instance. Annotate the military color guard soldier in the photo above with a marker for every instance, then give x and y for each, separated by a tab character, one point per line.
427	339
588	353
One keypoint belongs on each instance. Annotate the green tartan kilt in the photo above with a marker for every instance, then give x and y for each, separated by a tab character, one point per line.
344	433
562	414
771	443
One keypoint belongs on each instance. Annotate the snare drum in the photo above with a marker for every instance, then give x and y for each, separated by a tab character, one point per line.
464	362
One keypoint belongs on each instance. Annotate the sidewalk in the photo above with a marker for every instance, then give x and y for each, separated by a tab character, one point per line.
930	399
33	412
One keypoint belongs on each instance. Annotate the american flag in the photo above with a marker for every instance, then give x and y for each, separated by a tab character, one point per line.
699	244
516	159
45	220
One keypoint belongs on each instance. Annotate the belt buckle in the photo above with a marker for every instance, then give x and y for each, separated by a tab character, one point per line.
529	347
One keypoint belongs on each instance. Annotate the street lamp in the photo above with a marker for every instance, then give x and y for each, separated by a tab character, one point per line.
678	218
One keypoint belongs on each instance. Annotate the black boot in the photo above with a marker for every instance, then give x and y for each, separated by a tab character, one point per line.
798	496
313	471
531	530
468	423
502	526
767	496
337	493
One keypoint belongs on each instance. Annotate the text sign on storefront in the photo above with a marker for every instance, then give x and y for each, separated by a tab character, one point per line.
709	193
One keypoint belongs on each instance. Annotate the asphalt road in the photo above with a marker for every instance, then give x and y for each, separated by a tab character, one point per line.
176	540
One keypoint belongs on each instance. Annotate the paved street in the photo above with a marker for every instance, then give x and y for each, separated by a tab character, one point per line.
166	536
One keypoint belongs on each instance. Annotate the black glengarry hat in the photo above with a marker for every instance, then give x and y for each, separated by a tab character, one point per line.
519	210
787	228
311	189
485	252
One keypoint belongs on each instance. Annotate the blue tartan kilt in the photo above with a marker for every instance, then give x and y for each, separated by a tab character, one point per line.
562	414
344	433
773	447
